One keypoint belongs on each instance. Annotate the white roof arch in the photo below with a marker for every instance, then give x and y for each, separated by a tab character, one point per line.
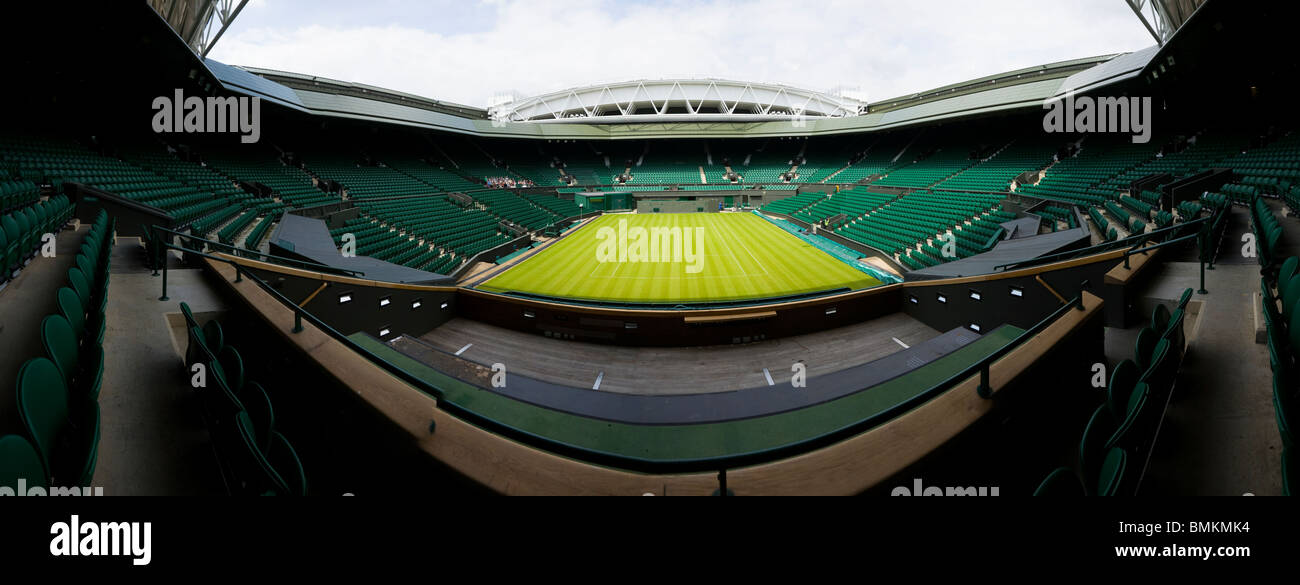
661	100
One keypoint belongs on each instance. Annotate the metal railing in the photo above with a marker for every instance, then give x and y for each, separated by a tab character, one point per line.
717	464
1133	242
161	261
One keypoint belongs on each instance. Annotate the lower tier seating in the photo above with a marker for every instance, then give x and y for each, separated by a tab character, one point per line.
255	458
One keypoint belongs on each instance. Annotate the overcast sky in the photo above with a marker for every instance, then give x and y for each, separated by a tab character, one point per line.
469	51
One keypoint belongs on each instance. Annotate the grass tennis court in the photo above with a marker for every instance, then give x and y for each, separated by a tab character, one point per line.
678	257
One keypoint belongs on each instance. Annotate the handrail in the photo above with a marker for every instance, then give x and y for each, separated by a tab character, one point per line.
1144	249
300	313
307	263
995	238
717	463
1137	240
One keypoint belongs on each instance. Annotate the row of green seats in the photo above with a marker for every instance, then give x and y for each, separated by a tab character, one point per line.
1121	432
58	394
1283	336
255	458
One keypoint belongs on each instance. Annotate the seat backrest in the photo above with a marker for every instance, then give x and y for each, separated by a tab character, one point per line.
1111	476
199	347
77	279
284	460
1187	296
19	460
1288	269
70	307
86	265
1092	446
232	365
24	223
1160	317
60	345
1125	433
1174	331
260	410
267	477
213	337
1061	482
11	228
190	322
1122	381
42	404
1143	346
1292	293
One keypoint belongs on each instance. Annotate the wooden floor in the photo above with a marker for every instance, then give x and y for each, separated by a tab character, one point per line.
685	370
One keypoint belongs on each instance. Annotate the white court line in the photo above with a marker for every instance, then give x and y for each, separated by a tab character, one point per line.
900	342
462	350
768	375
751	255
736	260
599	377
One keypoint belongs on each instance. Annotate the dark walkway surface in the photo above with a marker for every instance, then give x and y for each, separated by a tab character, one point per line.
26	300
712	405
677	370
153	441
1219	436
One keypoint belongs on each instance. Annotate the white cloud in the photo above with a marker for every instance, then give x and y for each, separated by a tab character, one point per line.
884	49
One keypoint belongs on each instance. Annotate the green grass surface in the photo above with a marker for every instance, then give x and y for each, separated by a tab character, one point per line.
740	257
666	443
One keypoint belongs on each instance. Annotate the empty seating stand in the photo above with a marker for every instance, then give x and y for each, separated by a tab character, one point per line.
790	205
904	226
22	231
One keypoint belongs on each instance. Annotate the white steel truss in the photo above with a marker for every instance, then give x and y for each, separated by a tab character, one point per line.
677	99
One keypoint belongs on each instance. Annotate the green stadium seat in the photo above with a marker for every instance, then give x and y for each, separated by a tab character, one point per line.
1110	480
1151	374
1174	333
213	338
260	412
284	460
1123	379
232	368
1160	317
1288	269
67	447
1060	482
1130	432
263	476
1092	446
82	375
71	309
19	460
1144	347
1291	295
